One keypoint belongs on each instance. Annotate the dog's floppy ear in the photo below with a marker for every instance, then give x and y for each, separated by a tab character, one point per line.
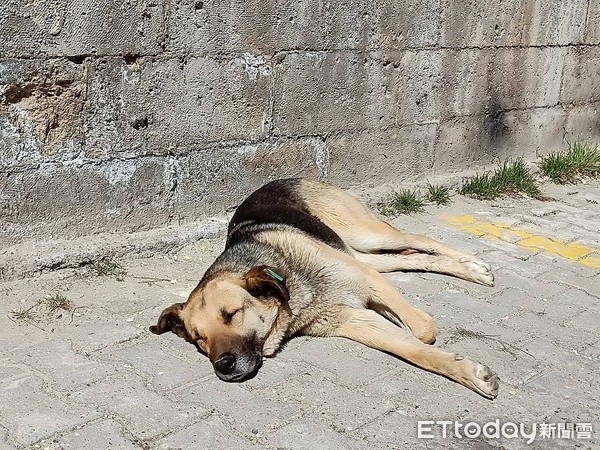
170	320
265	281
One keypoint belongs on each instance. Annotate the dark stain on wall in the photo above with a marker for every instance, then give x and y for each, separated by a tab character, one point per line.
493	124
494	130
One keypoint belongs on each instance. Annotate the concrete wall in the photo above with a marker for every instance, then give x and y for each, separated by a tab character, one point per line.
131	114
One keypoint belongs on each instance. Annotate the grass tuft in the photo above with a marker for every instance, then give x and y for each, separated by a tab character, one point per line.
44	310
440	195
579	160
515	177
483	187
57	302
405	202
512	178
108	267
25	314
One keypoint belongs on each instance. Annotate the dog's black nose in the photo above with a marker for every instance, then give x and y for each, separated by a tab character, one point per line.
225	364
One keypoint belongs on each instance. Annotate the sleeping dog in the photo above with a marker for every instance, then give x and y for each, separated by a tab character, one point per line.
304	257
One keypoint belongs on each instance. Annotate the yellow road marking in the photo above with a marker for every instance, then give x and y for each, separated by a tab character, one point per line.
499	230
592	260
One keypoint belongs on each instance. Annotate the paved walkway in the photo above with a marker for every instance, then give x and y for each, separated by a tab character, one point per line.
94	377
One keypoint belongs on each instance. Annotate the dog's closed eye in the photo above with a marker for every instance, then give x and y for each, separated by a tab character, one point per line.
229	315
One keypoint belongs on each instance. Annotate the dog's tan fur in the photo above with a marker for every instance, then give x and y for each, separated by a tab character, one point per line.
327	291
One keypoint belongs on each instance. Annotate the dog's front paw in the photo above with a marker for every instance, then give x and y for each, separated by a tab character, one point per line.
485	382
479	271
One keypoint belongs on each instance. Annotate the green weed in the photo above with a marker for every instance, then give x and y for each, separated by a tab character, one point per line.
513	177
440	195
405	202
580	159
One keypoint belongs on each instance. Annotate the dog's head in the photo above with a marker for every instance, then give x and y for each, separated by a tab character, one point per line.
229	318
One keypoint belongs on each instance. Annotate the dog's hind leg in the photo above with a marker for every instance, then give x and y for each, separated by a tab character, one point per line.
363	232
470	270
383	247
369	328
358	227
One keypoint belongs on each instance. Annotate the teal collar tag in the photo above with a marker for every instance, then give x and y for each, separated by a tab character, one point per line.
273	274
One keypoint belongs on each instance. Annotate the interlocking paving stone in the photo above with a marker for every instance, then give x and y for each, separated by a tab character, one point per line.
31	414
244	410
348	362
105	434
306	393
166	371
145	413
303	434
208	433
62	365
104	332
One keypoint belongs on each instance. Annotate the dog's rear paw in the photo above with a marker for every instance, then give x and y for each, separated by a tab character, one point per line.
485	382
479	271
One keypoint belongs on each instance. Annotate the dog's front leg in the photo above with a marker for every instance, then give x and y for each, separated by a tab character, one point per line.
384	296
369	328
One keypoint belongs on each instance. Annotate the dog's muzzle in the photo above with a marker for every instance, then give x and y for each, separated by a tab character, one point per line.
230	367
